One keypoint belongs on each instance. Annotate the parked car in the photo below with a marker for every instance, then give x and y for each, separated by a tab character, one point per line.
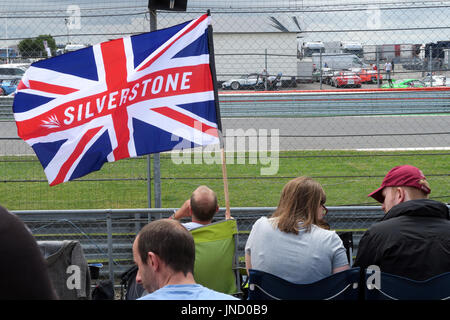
327	74
249	81
13	70
405	83
8	86
368	75
345	79
437	81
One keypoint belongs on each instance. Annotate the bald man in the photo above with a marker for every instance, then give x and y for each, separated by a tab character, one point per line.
201	207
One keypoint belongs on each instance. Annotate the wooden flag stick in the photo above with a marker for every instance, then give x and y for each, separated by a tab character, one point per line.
225	186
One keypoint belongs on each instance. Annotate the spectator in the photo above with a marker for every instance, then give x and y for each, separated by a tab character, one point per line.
23	271
294	243
164	252
201	207
265	76
388	69
413	238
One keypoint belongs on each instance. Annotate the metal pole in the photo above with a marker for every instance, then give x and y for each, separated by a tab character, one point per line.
110	245
321	69
149	185
157	179
267	74
156	157
378	67
430	65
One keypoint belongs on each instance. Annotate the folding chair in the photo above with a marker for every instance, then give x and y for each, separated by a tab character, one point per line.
216	262
347	241
68	269
393	287
339	286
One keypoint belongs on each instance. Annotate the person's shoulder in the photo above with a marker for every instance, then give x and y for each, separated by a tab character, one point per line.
261	221
210	294
324	234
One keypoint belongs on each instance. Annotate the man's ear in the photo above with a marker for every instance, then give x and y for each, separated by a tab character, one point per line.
153	260
217	209
400	194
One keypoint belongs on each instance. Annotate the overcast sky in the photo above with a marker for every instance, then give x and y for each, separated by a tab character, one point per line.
325	20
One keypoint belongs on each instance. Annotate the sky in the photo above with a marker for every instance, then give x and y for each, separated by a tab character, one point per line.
378	22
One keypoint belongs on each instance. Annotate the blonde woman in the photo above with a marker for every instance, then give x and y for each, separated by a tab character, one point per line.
295	243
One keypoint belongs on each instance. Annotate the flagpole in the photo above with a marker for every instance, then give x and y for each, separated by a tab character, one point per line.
156	156
212	66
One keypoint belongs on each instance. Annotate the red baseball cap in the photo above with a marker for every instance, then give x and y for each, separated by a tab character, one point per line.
401	176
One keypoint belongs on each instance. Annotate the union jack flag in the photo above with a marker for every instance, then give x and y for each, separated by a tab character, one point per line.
122	98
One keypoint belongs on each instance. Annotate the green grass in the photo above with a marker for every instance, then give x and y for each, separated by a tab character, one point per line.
346	176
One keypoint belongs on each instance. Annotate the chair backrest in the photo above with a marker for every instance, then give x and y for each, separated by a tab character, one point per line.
68	269
347	241
338	286
216	263
393	287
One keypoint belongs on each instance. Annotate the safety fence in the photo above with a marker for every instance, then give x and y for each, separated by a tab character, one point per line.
346	139
309	103
107	236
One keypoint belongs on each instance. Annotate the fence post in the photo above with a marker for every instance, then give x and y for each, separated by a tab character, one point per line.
430	65
156	156
377	55
110	245
321	69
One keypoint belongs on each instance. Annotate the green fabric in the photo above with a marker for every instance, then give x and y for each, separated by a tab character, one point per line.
214	255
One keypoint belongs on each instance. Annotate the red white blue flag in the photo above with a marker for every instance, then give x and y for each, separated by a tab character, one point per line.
118	99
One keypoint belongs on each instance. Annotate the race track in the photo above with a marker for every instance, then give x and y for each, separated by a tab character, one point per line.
319	133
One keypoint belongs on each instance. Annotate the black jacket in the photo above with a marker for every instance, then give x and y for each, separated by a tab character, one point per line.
412	240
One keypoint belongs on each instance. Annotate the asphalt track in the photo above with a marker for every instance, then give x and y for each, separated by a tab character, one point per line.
422	132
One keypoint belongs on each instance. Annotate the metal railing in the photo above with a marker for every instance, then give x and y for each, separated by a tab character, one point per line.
107	235
318	103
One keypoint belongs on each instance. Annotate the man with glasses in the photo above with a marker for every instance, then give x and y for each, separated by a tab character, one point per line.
413	238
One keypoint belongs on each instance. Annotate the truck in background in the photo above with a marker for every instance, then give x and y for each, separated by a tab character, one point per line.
397	52
352	47
306	49
338	61
305	65
336	55
446	63
70	47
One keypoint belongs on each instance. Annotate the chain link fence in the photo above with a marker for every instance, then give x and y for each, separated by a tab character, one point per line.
299	124
106	236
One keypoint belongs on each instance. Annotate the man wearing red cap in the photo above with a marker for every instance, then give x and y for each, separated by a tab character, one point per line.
413	238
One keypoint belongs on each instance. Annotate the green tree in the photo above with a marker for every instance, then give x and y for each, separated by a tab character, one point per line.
34	48
51	43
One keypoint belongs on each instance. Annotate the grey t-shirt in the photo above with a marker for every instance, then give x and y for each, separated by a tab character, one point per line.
305	257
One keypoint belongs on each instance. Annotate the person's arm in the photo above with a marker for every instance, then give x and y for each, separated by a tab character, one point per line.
248	262
184	211
343	268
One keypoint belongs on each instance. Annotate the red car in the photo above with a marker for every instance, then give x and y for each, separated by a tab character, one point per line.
346	79
369	76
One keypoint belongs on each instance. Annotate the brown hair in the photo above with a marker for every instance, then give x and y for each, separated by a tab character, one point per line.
173	244
299	202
